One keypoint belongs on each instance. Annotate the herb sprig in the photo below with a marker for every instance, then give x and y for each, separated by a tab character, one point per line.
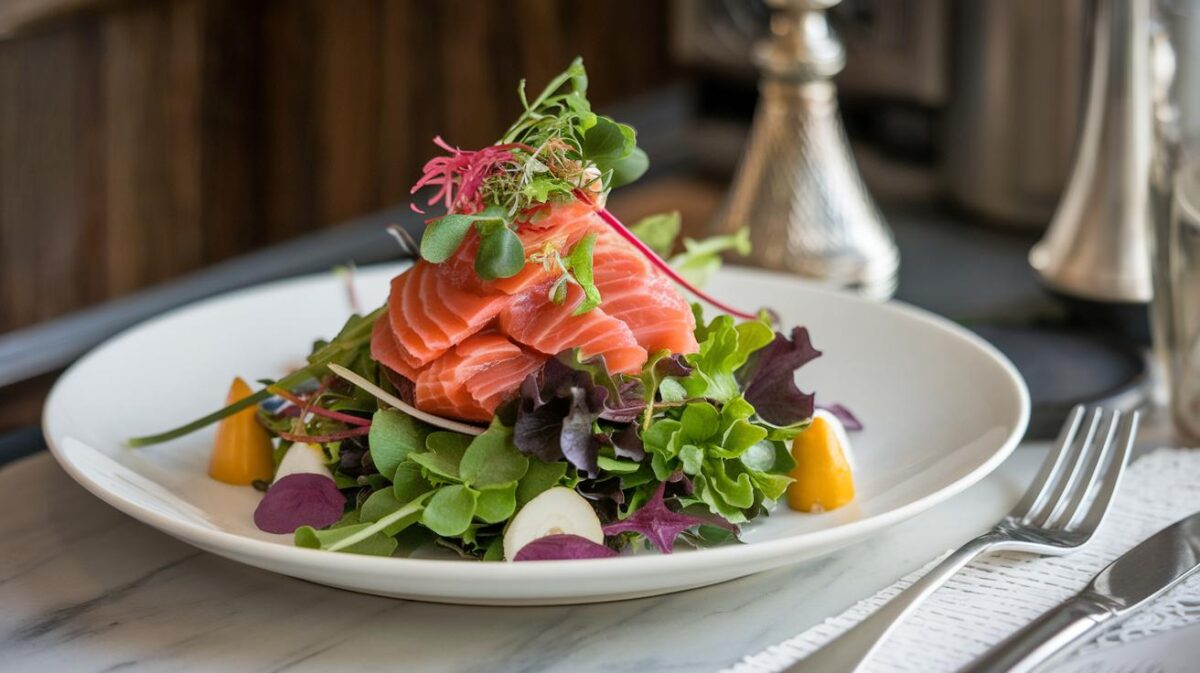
557	147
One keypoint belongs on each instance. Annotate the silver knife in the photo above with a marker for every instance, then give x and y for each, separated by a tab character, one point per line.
1127	584
1172	651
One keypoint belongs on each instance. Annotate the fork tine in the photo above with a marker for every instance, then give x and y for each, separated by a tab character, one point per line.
1050	466
1069	512
1112	476
1054	491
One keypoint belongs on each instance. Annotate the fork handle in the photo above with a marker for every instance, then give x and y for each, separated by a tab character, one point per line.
848	651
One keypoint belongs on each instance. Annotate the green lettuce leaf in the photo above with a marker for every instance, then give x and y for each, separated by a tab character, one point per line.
701	259
724	347
394	435
492	460
659	232
733	464
450	510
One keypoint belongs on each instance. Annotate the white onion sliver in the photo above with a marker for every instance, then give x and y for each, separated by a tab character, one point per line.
401	405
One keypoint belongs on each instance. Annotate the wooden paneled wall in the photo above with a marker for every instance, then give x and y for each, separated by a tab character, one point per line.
143	139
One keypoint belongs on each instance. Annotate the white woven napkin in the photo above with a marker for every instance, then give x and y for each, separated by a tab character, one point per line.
999	593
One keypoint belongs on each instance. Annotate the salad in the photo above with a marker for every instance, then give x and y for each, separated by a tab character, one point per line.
537	386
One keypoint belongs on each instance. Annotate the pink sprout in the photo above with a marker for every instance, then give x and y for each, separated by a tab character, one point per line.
306	406
459	175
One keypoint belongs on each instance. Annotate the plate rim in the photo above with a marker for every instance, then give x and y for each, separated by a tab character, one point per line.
650	564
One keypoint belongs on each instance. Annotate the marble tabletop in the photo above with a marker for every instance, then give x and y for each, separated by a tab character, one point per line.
86	588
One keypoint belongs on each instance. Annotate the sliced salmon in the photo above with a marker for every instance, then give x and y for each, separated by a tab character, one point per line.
429	316
550	328
500	382
475	377
385	351
643	298
560	228
467	344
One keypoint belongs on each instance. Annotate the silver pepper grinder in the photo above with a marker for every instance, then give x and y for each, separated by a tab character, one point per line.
798	189
1096	248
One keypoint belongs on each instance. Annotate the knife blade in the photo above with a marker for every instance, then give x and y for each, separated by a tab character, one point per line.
1127	584
1172	651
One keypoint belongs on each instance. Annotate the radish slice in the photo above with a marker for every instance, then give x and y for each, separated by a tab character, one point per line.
557	511
303	458
400	404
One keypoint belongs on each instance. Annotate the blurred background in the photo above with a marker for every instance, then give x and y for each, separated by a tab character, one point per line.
142	140
146	138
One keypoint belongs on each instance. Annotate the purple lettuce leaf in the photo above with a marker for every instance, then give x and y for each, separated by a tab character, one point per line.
538	429
605	495
679	484
769	379
843	414
560	404
624	407
299	500
626	442
672	365
562	547
658	524
608	488
579	445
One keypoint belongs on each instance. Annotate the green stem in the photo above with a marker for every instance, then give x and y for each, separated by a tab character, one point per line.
530	111
352	340
414	506
295	378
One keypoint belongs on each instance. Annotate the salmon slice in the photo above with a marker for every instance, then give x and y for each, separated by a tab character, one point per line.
475	377
610	241
560	229
613	256
428	316
550	328
501	382
643	298
385	350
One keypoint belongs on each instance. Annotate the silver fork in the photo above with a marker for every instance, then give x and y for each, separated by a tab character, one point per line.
1057	515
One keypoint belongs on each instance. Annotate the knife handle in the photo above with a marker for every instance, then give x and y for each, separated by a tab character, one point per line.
1047	636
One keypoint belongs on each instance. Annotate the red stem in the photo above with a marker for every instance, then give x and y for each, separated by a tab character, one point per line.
628	235
307	406
323	439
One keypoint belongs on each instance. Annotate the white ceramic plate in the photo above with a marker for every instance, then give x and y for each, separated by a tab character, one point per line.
942	409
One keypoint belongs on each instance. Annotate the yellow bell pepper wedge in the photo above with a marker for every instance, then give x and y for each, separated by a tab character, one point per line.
823	477
242	453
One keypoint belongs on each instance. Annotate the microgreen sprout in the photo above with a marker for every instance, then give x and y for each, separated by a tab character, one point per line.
557	146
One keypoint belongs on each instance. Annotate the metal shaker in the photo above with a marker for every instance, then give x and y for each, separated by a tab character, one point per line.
797	188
